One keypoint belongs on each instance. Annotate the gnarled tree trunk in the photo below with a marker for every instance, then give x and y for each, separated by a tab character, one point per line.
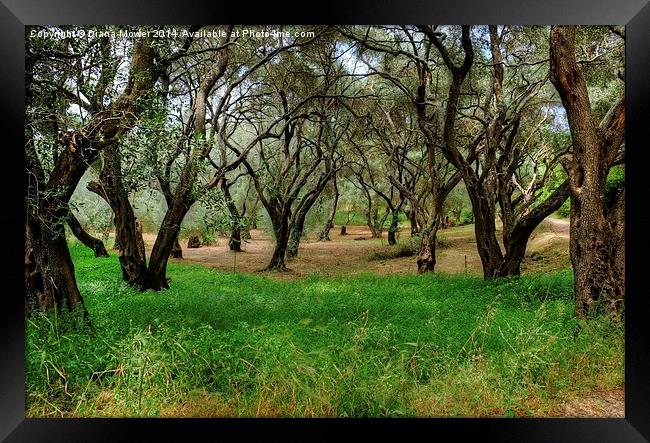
235	218
597	236
281	230
488	246
375	221
49	271
329	224
296	233
597	254
392	229
49	198
177	251
181	200
426	258
517	234
371	218
415	229
128	232
297	226
165	240
85	238
297	229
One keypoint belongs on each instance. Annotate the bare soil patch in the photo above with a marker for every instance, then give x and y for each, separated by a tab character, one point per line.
596	404
345	255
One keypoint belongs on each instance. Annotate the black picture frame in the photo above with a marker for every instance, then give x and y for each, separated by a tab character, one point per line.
15	14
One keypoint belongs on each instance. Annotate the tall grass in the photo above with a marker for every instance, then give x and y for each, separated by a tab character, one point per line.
223	344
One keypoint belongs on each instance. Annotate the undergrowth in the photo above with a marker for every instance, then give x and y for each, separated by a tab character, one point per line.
223	344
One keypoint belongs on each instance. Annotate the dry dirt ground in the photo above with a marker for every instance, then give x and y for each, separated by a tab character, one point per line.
548	250
595	404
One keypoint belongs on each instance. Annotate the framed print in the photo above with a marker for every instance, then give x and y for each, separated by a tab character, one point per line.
255	219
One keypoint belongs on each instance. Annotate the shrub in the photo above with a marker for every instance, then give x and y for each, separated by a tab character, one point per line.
208	238
395	251
466	216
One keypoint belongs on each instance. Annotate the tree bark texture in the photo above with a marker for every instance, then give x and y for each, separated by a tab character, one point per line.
329	223
426	258
128	232
85	238
236	219
49	271
46	219
281	229
597	231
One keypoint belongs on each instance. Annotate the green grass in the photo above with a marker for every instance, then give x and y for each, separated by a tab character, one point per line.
218	344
